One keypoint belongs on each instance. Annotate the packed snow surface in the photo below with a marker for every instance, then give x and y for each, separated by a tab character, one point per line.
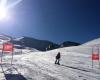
75	64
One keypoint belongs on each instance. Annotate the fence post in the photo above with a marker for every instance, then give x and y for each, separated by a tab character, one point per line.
99	57
91	57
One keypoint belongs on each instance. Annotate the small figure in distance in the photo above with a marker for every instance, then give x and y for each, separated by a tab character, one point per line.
58	58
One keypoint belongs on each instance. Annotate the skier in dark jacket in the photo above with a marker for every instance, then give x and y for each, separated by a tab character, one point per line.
58	58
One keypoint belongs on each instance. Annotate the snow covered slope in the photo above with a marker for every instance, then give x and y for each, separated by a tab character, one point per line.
75	65
95	42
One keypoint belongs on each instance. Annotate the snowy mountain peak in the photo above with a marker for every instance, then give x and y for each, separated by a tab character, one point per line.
18	39
4	38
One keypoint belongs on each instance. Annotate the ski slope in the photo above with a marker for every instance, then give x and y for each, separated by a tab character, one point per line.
75	64
95	42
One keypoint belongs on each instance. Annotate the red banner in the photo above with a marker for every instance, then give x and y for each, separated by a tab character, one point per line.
95	56
8	47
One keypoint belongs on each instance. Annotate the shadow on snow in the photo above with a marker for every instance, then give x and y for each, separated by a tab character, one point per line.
14	77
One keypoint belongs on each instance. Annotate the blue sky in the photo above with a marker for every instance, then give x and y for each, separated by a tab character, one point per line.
54	20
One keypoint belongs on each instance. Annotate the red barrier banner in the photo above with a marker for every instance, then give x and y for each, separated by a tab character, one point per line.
95	56
7	47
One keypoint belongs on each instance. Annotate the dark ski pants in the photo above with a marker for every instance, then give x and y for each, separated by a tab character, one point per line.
57	61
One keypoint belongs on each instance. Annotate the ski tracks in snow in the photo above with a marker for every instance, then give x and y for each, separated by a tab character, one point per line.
56	72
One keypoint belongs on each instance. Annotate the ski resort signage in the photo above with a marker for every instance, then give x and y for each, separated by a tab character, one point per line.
7	47
95	56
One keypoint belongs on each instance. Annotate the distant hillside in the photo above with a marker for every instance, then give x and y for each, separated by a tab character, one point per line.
29	42
69	43
35	43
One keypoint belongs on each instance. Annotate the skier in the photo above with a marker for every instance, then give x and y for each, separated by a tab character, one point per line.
58	58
